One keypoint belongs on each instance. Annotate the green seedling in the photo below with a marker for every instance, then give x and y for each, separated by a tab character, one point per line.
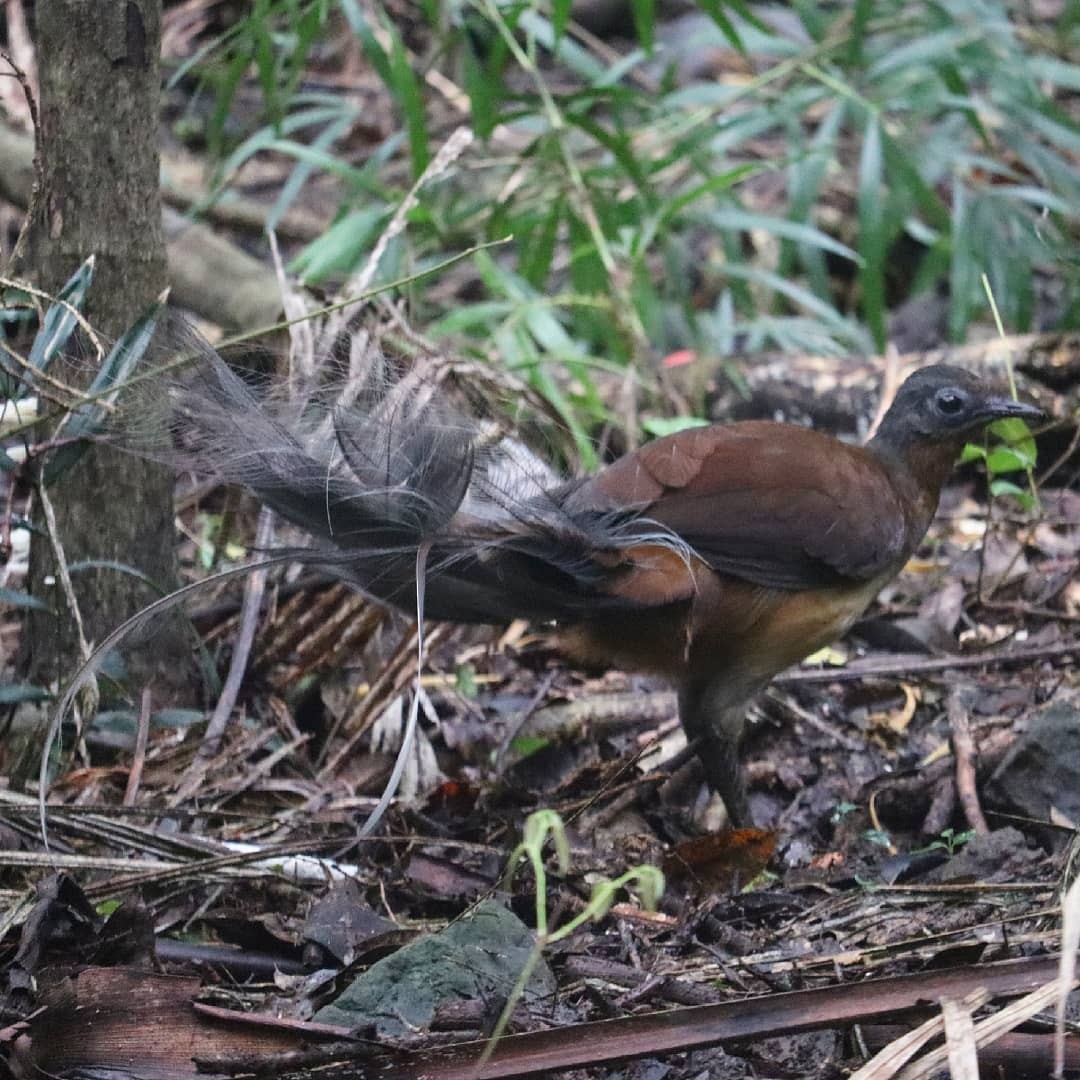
540	827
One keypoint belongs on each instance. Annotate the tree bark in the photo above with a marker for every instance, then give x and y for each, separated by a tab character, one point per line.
99	71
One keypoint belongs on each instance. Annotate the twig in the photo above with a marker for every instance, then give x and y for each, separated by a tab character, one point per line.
72	310
1070	941
64	577
139	757
513	729
1066	454
359	284
986	1031
914	665
87	673
819	723
890	383
960	1039
964	749
889	1059
254	588
410	726
35	376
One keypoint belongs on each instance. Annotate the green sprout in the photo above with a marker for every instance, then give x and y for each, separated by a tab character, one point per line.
539	828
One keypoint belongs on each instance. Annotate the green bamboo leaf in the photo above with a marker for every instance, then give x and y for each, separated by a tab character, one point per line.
1038	197
923	51
560	16
361	179
731	217
644	12
806	175
226	91
963	270
303	169
59	323
18	693
548	332
619	145
551	390
470	317
872	233
795	293
375	53
1058	130
586	267
17	598
539	251
1059	72
622	67
269	138
967	103
264	56
860	17
340	248
482	85
410	99
715	184
904	176
715	10
581	62
87	418
660	426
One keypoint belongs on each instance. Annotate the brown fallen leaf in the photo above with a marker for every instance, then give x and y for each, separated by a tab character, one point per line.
720	862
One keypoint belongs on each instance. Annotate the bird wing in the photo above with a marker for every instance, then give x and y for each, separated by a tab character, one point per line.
776	505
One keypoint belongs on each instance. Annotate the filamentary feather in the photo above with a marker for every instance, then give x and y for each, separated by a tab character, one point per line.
397	467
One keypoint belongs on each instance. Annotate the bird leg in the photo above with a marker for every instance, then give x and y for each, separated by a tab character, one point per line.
715	722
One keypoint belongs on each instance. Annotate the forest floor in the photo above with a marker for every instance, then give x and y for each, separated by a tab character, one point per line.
917	788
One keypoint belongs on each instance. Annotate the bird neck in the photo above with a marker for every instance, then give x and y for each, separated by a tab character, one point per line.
918	466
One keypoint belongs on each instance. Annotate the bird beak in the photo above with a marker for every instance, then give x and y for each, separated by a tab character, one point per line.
1000	408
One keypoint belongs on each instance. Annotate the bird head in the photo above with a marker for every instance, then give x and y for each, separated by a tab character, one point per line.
944	405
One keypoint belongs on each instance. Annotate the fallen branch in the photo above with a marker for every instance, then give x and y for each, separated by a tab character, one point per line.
538	1053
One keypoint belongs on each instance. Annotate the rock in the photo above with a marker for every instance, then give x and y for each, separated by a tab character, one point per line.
1002	855
1042	768
479	956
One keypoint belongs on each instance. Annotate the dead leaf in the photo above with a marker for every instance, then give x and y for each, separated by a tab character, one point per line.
721	862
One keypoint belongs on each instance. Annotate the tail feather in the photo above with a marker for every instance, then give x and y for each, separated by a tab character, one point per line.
375	480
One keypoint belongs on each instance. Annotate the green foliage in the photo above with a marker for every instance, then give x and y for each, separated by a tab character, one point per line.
60	319
950	841
546	826
57	325
19	693
541	828
1011	450
1013	447
465	681
649	215
89	416
20	377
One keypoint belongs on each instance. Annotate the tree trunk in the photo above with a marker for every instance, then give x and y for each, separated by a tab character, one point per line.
99	72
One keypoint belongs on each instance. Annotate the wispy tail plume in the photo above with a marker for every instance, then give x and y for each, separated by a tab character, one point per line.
397	468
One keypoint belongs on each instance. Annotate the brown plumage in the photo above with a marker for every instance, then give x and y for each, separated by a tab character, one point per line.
717	556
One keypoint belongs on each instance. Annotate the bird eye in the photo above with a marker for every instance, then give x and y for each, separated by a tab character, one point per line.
949	402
